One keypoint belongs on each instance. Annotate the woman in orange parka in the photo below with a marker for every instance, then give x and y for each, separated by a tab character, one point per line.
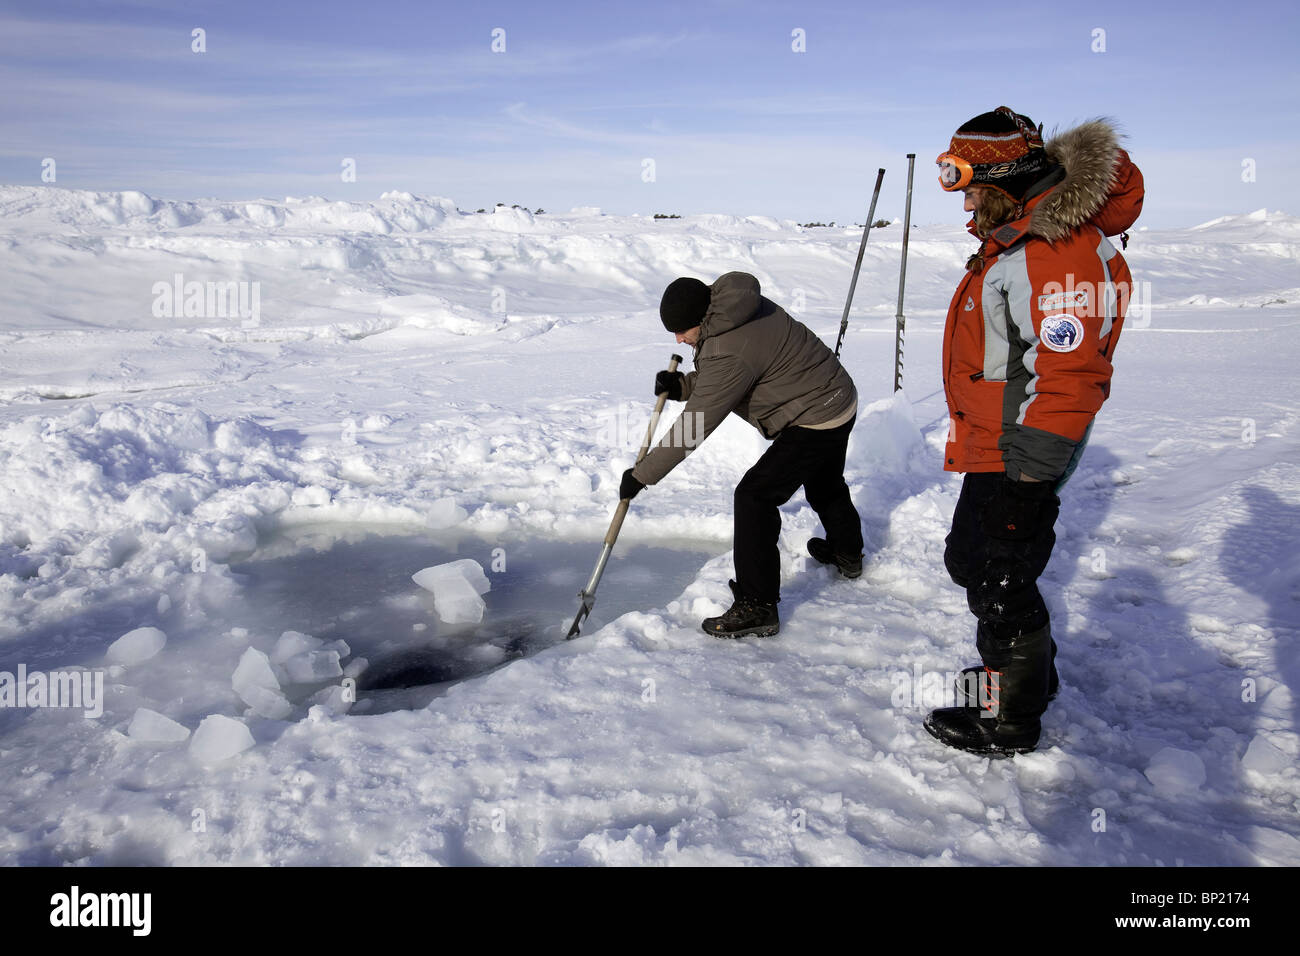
1030	335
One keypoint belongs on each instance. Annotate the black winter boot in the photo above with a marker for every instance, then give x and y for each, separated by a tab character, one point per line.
746	617
1007	722
970	683
846	564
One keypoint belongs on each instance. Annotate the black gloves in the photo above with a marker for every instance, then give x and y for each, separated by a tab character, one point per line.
1018	508
670	382
629	486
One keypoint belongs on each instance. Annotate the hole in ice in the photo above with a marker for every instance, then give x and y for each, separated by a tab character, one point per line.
353	582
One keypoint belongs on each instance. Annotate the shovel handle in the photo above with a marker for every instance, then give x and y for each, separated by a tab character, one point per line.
654	419
621	511
588	594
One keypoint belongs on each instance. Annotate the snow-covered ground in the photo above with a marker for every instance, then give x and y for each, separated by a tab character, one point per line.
405	368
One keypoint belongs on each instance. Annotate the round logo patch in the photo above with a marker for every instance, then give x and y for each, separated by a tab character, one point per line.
1061	333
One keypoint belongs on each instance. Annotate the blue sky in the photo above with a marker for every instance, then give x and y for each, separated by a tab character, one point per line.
734	120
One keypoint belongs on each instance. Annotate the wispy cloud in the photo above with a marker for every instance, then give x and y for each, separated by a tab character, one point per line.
711	90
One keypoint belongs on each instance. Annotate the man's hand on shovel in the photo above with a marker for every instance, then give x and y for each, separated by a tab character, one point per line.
629	486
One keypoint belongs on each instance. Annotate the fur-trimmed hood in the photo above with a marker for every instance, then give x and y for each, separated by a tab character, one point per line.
1093	182
1090	155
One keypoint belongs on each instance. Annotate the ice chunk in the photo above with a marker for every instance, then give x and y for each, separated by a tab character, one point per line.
254	670
456	587
1262	756
135	647
219	738
256	684
267	703
334	698
1172	770
152	727
457	602
312	666
472	572
444	513
292	643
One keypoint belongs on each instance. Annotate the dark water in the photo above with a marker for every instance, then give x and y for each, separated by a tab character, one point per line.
354	582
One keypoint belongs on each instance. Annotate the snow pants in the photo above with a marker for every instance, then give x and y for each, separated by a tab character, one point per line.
810	458
1000	577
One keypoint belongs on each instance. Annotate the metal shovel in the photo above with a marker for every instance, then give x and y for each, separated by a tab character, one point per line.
588	594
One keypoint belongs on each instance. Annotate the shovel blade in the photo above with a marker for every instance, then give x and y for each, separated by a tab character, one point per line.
583	611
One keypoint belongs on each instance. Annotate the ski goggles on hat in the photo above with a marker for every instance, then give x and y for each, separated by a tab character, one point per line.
954	172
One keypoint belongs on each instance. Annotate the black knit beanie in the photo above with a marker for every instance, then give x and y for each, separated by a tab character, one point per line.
684	303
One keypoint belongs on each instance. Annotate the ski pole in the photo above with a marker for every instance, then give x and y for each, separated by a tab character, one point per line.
588	594
902	279
862	247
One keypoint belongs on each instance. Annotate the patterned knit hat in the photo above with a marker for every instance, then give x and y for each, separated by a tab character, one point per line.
1004	150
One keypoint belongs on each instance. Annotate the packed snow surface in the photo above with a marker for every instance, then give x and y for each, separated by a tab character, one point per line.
182	382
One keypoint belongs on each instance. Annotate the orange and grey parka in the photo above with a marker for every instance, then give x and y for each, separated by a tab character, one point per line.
1029	339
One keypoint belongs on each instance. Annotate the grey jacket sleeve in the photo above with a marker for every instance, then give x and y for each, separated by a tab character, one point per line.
688	384
720	384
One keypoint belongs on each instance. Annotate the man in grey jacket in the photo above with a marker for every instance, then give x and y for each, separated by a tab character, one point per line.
752	359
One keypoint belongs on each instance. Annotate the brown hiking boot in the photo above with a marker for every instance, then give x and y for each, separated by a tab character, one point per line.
746	617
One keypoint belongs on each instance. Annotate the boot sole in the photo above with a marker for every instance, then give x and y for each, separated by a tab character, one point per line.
832	563
769	630
989	751
851	575
843	573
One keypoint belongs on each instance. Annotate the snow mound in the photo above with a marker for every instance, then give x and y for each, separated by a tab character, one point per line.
1274	218
886	437
128	466
424	311
85	210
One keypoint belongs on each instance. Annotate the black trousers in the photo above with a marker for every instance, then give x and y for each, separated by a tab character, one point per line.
808	457
1000	577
